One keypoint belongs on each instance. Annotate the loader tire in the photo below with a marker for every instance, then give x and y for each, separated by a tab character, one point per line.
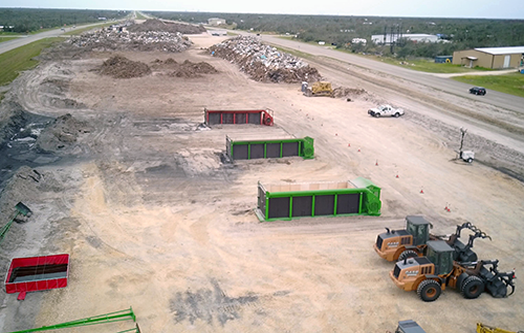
472	287
429	290
407	254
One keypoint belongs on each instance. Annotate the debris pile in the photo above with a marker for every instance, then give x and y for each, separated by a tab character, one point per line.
342	92
64	131
263	62
120	67
110	40
158	25
186	69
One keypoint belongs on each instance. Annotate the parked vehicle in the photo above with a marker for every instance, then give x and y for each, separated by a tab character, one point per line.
385	110
409	326
430	275
478	91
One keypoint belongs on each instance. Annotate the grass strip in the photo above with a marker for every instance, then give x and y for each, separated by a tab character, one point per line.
5	39
21	59
512	83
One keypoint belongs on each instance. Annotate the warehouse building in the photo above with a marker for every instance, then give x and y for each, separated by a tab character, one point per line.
391	38
490	57
216	21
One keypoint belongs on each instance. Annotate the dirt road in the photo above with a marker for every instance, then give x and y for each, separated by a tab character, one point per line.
153	219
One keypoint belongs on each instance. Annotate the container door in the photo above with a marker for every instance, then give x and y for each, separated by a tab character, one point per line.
506	61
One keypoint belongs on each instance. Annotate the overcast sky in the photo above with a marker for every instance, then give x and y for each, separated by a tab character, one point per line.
418	8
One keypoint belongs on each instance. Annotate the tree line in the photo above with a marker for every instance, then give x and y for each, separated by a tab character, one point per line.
340	30
24	20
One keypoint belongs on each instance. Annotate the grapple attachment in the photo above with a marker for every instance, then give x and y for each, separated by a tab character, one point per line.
498	284
23	209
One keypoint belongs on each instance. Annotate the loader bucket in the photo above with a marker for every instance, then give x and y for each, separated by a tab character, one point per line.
23	209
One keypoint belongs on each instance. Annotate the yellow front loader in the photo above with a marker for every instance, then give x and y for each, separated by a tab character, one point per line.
481	328
321	88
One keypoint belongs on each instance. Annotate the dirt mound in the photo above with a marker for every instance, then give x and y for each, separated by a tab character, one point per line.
122	68
186	69
263	62
343	92
12	118
63	132
158	25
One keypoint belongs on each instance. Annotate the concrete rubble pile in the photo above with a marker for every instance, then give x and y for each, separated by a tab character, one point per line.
173	27
263	62
110	40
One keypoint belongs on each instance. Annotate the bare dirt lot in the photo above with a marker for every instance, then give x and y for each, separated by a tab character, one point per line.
152	218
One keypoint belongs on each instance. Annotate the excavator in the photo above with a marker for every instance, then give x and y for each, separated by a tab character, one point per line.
432	274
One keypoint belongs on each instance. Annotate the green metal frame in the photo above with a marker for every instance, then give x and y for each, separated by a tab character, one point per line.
20	208
369	202
305	146
111	317
136	329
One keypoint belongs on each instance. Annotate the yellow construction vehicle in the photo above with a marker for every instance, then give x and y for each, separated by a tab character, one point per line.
430	275
321	88
488	329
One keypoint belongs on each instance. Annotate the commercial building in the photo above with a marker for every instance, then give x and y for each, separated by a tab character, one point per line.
391	38
359	41
216	21
490	57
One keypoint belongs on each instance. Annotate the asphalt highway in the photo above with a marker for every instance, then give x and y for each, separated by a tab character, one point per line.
21	41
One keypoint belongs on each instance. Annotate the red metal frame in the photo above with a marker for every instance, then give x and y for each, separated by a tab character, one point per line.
37	285
265	119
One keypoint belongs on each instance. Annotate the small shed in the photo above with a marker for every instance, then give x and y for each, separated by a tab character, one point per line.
443	59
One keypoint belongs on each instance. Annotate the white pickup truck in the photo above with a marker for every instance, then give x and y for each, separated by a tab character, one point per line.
385	110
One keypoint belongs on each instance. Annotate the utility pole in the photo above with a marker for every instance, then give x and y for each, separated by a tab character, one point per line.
392	41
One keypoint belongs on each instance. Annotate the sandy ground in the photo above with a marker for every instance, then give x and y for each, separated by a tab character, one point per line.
152	219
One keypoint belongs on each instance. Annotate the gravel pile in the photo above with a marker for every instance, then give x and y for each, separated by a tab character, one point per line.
122	68
158	25
263	62
111	40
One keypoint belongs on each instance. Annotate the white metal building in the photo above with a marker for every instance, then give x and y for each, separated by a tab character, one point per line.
216	21
419	38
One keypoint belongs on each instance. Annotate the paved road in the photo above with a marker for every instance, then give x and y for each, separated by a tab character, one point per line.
14	43
506	101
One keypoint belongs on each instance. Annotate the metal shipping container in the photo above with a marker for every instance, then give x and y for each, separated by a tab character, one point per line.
254	149
293	200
